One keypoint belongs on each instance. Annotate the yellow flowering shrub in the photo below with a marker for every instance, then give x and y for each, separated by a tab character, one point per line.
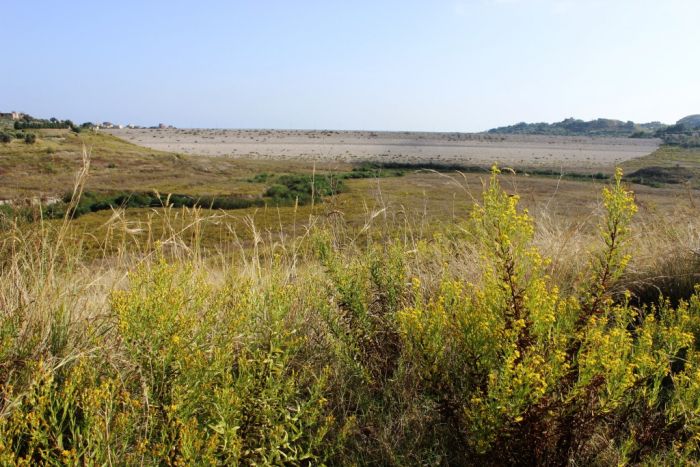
529	375
200	375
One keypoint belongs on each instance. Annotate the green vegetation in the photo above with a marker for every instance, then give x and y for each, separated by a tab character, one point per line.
303	188
260	178
286	190
93	202
691	121
378	170
468	345
576	127
680	135
685	133
642	134
8	136
30	123
388	169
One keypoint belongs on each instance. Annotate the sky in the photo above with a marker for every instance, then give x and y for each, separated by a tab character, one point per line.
465	65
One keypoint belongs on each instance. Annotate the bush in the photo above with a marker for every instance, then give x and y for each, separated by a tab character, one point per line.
260	178
5	137
93	202
30	123
301	188
533	377
30	138
278	191
185	392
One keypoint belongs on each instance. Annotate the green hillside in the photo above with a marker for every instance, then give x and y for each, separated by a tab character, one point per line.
691	121
576	127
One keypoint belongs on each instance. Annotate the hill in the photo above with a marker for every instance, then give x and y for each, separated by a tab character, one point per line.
685	133
691	121
577	127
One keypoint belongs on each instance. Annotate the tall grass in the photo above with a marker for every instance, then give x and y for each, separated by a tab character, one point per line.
500	339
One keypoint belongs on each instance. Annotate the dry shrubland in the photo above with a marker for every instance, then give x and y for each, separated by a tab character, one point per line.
503	338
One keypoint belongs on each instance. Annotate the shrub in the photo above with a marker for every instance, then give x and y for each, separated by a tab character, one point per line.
530	376
186	392
301	188
33	123
260	178
93	202
278	191
30	138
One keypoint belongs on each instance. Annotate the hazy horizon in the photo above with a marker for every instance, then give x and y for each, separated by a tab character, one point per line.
465	65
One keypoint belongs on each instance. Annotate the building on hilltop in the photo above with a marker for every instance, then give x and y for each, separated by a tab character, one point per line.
12	115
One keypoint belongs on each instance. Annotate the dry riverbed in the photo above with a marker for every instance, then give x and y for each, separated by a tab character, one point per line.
571	153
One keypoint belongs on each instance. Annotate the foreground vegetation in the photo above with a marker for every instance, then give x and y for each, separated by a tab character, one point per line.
468	345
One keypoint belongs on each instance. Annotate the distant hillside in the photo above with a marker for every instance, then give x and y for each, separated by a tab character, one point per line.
685	133
691	121
576	127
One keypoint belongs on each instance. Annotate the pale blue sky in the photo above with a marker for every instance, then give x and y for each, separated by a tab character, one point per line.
464	65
